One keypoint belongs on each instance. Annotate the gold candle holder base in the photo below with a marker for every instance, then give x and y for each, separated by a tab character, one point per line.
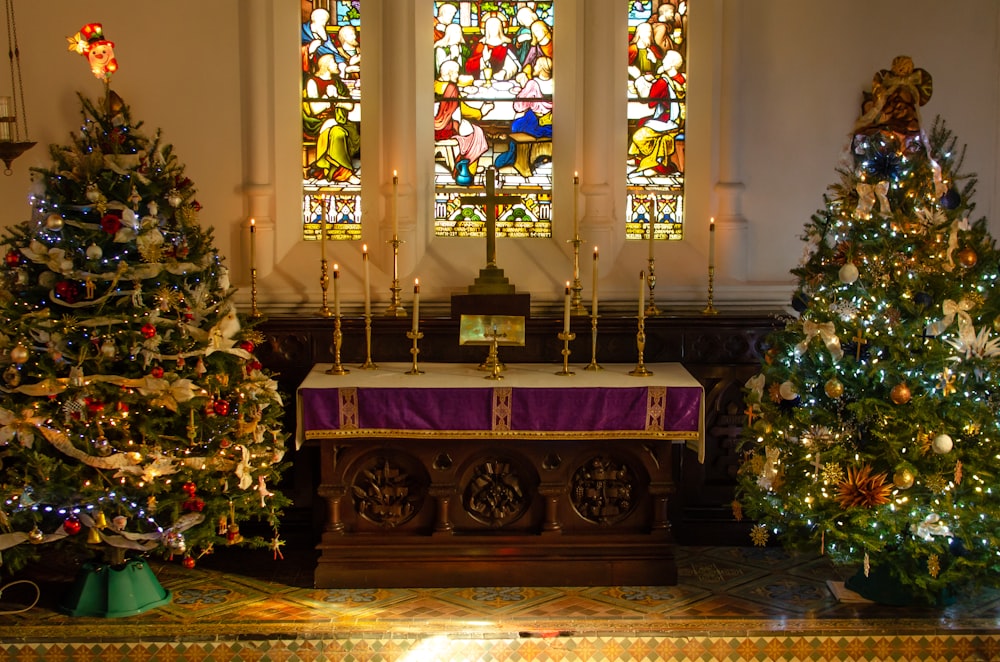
395	308
414	336
324	284
254	313
338	339
651	309
368	364
593	365
492	362
566	337
640	341
710	309
576	306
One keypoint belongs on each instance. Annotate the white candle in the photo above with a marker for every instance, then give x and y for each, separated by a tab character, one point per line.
336	291
395	205
322	235
253	244
652	235
416	304
593	294
6	119
711	243
368	298
566	311
642	294
576	197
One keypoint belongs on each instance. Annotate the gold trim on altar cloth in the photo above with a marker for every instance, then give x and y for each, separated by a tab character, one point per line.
656	407
502	402
348	408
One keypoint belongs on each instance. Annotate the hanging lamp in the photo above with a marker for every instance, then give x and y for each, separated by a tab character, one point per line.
11	121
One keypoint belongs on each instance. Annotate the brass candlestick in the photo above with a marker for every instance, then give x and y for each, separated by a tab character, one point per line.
593	365
414	336
324	283
492	362
576	296
651	308
640	341
566	337
368	364
710	309
338	339
395	308
254	313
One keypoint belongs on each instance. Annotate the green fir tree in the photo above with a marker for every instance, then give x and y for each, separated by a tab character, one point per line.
873	427
134	416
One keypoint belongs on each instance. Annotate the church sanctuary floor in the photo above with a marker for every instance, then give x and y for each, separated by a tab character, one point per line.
731	603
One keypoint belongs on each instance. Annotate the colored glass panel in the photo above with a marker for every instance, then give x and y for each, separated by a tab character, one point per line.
331	118
493	89
657	114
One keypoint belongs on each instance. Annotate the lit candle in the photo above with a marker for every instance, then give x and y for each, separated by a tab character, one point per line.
253	244
336	291
322	236
576	197
395	205
642	294
368	298
652	235
6	119
566	311
416	304
711	243
593	294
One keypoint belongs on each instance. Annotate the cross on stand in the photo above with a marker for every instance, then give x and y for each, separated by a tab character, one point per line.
491	279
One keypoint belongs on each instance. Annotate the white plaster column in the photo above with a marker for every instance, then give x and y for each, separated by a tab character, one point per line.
731	226
602	134
257	84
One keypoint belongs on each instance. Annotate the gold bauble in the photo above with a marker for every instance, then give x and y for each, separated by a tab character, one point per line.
903	479
967	257
900	394
19	354
834	388
35	536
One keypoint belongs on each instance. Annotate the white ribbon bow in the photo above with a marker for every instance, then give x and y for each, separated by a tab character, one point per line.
966	331
930	527
827	332
866	199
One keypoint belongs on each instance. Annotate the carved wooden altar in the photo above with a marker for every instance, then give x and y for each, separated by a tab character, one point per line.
450	479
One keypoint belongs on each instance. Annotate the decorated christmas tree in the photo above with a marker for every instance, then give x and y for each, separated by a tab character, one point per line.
134	416
873	427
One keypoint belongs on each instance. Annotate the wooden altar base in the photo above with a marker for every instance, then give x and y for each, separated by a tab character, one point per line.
457	561
491	304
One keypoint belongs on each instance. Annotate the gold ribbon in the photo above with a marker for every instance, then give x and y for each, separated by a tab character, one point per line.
827	333
867	193
951	311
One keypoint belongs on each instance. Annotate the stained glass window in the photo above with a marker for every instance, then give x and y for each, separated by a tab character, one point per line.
657	113
493	82
331	118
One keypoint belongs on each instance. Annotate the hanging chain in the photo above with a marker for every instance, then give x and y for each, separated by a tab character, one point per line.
14	54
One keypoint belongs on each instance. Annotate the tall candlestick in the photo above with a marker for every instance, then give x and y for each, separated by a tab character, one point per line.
576	197
368	297
416	304
253	244
593	294
566	311
322	236
642	294
395	205
652	236
711	242
336	292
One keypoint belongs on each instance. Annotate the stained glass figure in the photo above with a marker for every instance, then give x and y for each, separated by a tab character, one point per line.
331	118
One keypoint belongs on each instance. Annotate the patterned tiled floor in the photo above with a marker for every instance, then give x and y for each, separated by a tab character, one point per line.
731	603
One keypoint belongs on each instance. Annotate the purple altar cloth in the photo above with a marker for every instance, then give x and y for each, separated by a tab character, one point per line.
531	402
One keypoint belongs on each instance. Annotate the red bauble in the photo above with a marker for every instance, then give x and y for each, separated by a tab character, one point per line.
148	330
188	562
72	525
94	406
221	407
254	365
247	345
156	372
189	488
13	258
193	505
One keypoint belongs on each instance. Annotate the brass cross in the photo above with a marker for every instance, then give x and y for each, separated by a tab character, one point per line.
751	414
860	340
491	201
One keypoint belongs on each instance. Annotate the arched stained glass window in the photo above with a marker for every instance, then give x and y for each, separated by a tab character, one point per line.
331	118
657	113
493	83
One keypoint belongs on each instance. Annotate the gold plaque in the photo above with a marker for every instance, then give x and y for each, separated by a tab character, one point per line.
491	329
